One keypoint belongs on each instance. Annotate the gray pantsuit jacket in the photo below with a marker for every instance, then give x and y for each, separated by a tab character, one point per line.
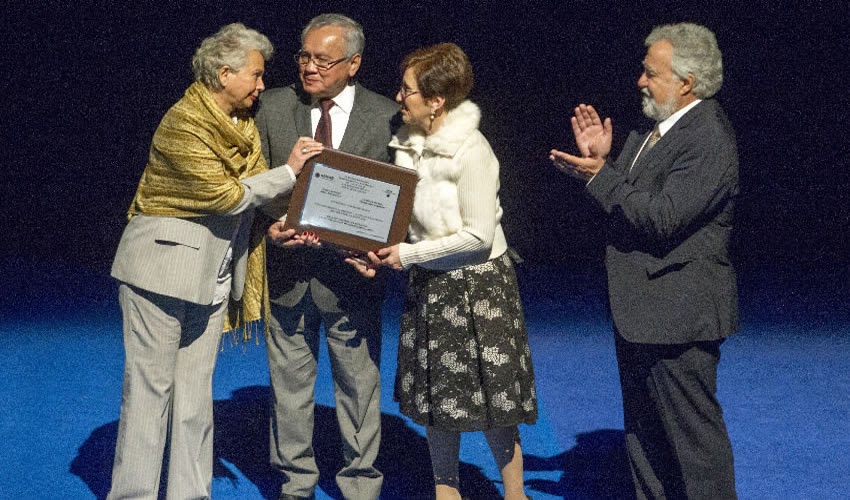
181	257
170	266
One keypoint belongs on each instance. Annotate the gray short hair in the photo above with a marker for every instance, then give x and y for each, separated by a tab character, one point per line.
695	51
355	40
229	47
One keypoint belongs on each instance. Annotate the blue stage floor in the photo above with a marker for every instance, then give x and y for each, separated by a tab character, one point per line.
784	385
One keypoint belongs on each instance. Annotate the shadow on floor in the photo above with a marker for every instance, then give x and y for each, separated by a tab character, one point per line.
596	468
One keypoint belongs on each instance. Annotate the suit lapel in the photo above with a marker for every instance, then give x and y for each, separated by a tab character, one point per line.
646	158
357	124
630	149
661	148
303	125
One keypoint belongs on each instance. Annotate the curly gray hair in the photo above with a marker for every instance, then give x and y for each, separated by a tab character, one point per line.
695	51
228	47
355	40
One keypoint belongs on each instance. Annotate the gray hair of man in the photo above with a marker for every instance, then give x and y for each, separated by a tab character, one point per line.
228	47
355	40
695	51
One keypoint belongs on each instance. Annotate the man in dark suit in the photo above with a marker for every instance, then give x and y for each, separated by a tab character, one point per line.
311	286
669	200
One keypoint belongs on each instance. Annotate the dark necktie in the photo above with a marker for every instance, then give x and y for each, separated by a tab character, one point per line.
323	129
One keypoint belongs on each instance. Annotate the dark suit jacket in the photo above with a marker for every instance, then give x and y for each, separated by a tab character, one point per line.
670	279
283	115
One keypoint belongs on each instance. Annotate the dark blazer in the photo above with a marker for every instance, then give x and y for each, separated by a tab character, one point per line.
283	115
670	279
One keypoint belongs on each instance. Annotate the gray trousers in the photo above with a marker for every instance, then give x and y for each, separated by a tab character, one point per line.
170	348
354	345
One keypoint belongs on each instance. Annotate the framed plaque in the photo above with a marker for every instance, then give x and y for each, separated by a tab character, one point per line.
352	202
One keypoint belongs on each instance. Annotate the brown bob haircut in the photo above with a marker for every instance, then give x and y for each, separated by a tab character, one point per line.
441	70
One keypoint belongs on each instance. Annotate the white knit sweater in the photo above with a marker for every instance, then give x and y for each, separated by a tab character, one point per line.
456	212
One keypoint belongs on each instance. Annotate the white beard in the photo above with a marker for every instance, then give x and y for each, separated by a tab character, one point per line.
655	111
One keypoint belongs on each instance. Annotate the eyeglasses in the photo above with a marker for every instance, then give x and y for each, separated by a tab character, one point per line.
405	92
303	59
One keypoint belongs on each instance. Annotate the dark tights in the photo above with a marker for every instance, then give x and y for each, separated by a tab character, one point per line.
444	446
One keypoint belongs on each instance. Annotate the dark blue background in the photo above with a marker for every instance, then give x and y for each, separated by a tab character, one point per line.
86	83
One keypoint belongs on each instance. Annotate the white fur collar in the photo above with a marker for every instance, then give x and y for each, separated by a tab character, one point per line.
458	124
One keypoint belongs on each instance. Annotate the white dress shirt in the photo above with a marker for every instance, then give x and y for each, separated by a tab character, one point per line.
339	113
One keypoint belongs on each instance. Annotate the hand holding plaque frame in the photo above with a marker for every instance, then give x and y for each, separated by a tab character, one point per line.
352	202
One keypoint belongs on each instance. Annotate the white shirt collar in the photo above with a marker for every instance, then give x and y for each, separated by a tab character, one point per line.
345	99
667	124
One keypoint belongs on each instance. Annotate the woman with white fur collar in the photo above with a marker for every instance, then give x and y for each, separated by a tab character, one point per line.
463	360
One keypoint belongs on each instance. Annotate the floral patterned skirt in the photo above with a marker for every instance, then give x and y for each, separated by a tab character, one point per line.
463	358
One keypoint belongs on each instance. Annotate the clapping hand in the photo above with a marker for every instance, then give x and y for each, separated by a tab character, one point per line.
593	139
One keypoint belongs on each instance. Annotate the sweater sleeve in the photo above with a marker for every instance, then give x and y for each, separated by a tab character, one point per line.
478	187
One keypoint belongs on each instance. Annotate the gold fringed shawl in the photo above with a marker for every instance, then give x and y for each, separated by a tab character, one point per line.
197	157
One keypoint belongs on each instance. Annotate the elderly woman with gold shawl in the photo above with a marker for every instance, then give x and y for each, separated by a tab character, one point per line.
191	264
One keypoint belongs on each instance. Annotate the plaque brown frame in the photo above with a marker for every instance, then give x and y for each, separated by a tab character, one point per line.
404	178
